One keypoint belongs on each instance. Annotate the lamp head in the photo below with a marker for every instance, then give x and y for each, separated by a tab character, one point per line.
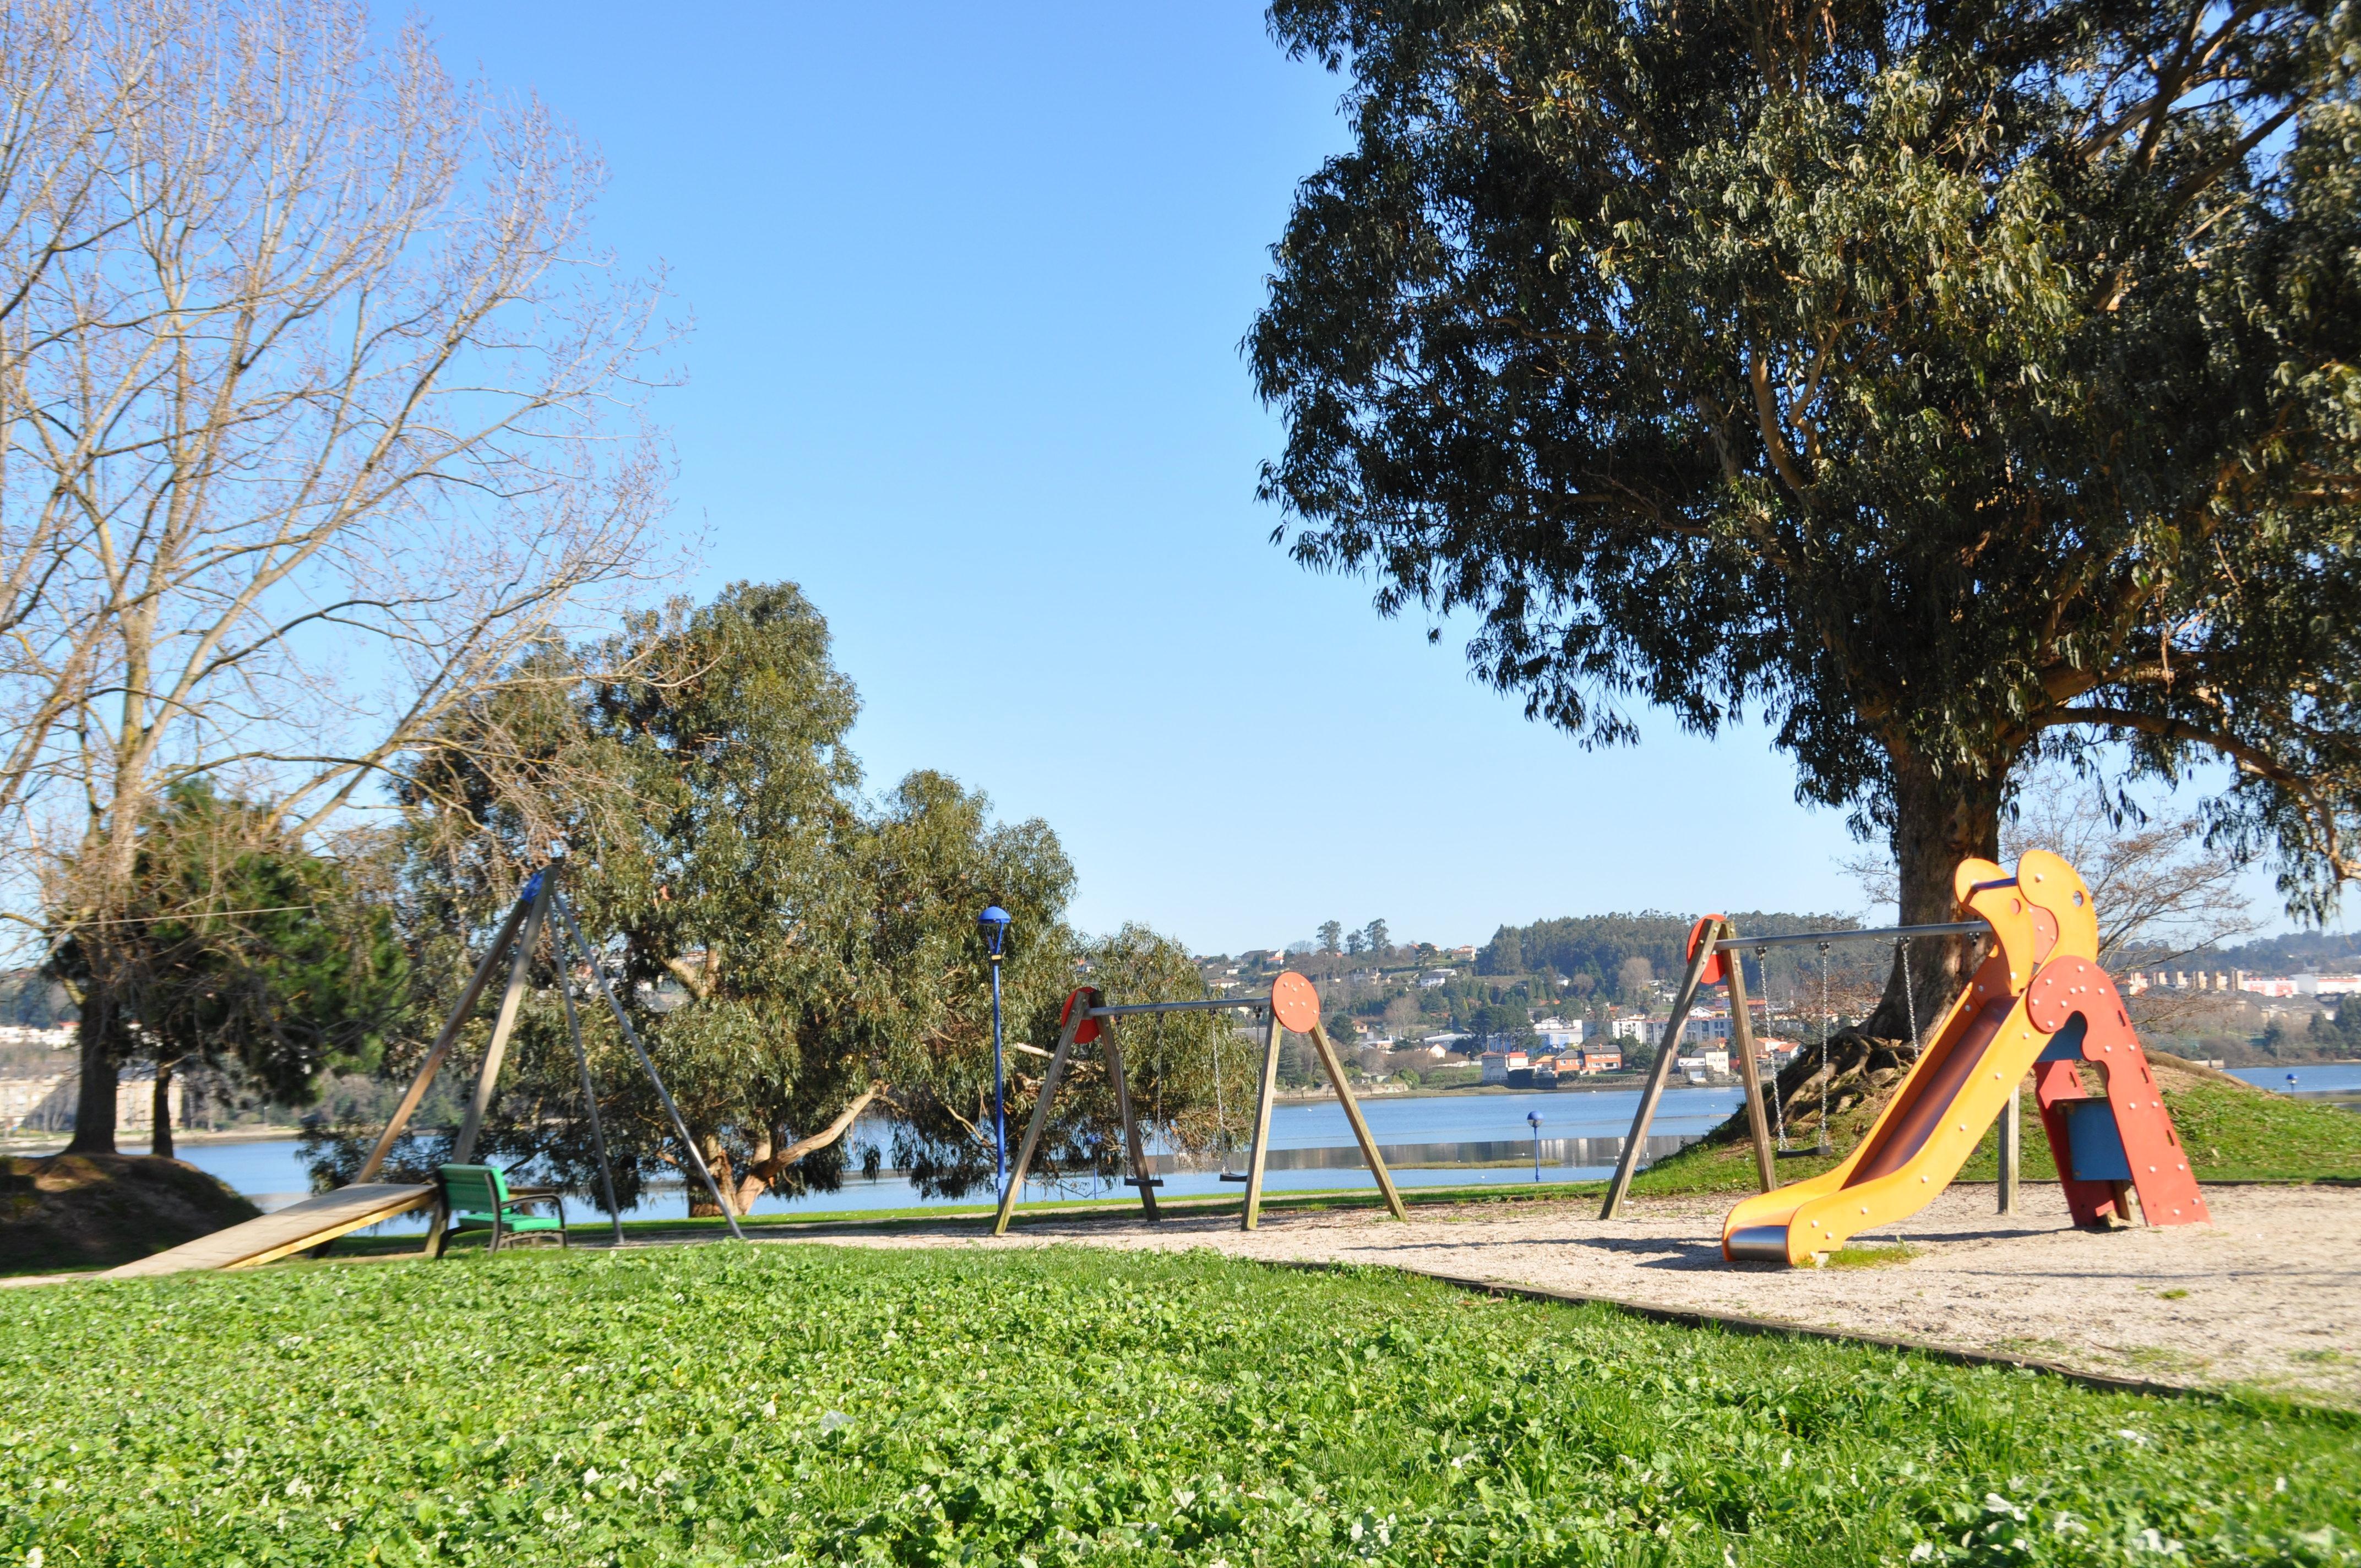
994	925
1535	1117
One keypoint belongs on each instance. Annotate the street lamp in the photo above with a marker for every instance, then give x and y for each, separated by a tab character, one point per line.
1535	1117
993	923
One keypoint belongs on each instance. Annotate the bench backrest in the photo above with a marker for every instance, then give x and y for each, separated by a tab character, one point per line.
472	1189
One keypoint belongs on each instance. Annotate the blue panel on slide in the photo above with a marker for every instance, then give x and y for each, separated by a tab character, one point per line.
2094	1143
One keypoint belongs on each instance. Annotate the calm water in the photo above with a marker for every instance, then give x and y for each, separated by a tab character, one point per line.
268	1171
2327	1078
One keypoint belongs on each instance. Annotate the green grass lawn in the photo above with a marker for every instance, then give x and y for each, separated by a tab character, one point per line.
2232	1133
809	1404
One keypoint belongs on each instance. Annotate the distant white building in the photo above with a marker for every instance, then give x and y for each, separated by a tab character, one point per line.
1557	1035
1498	1064
1448	1041
1711	1062
2327	984
1647	1031
1428	982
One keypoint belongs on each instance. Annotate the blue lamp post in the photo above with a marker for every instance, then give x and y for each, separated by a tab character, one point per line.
993	923
1534	1119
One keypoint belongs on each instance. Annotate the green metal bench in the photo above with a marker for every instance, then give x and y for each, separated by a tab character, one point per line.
478	1198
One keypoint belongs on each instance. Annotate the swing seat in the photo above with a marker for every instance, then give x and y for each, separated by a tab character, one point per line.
1151	1182
1234	1175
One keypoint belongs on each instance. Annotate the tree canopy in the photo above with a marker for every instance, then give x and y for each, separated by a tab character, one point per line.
238	944
1946	383
796	954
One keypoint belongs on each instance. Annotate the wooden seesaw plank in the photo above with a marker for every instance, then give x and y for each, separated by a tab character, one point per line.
296	1228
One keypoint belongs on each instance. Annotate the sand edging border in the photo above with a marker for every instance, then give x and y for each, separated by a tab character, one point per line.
1692	1318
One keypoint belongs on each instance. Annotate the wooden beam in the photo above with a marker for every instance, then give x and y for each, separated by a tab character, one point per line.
1077	1014
1251	1215
1130	1125
520	962
433	1063
2012	1141
1376	1162
1741	1034
1654	1092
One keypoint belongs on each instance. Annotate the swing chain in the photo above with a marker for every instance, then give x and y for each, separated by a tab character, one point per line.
1909	996
1778	1101
1825	1146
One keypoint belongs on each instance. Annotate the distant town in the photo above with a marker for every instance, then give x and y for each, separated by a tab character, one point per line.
1418	1018
1584	1002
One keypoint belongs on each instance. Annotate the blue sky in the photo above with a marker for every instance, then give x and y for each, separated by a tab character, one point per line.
968	285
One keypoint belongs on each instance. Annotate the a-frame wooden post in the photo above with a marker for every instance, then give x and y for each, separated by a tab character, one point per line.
1635	1145
1741	1035
1140	1173
451	1025
1078	1025
503	1024
1250	1212
1295	1005
1369	1155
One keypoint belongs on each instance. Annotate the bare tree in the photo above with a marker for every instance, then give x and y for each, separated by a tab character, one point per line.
317	414
2161	894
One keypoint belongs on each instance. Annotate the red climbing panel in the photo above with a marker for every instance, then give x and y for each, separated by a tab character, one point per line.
2106	1149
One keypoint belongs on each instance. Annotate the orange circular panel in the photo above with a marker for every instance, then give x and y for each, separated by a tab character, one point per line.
1088	998
1713	965
1294	1003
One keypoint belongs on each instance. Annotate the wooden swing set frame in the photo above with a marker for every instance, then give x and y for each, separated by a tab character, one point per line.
1087	1018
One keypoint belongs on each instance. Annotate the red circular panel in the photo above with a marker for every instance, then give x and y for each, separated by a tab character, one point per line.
1088	998
1712	965
1294	1003
2064	988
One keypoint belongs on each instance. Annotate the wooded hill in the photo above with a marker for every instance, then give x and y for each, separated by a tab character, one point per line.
1597	947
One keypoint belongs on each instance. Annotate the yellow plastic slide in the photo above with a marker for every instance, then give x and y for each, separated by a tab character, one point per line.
1959	1084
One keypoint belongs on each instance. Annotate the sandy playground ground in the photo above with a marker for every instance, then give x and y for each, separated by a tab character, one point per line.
2268	1296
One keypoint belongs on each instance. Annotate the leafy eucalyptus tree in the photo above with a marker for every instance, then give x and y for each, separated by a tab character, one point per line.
800	957
1946	383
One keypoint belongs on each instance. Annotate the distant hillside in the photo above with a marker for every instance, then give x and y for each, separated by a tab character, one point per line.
2296	952
1598	945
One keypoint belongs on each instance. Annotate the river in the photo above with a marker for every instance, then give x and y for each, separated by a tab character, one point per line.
1430	1138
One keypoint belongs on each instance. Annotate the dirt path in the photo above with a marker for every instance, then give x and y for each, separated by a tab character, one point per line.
2272	1289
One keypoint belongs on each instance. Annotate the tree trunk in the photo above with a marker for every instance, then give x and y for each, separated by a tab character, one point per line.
1939	821
717	1160
161	1144
94	1101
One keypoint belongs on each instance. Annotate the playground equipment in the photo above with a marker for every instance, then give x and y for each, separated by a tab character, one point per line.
314	1223
1087	1018
2038	1002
